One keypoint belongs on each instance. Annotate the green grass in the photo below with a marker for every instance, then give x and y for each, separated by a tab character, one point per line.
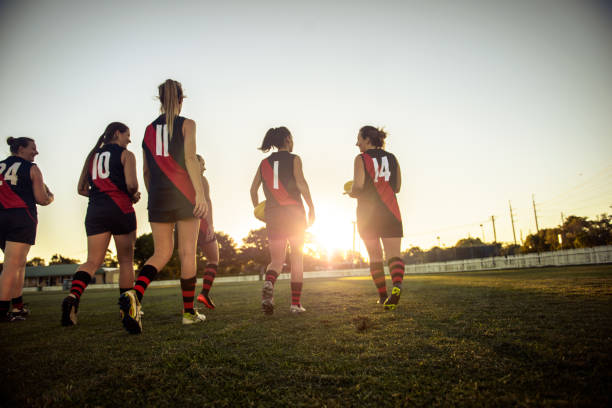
539	337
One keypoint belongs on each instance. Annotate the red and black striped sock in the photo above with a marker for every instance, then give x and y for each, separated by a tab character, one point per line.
209	277
271	276
145	277
17	302
296	292
378	276
123	290
80	280
396	269
188	289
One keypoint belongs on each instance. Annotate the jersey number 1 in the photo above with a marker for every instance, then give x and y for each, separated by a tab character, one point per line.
100	167
276	174
11	173
161	140
383	171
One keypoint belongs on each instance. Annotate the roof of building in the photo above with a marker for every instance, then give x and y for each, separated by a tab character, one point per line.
53	270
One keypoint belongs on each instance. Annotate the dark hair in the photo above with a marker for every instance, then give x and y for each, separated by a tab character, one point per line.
16	142
275	137
376	136
106	138
170	95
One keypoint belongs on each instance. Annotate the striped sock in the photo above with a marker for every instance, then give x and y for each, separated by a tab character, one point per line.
145	276
296	292
80	280
123	290
396	268
209	277
17	302
188	289
271	275
378	276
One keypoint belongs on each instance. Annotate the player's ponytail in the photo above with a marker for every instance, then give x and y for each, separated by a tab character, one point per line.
275	137
105	138
170	96
16	142
376	136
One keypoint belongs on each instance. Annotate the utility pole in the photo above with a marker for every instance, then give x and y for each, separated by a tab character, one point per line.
535	214
483	237
512	220
494	233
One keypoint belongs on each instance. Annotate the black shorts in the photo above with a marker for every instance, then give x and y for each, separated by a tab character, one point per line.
376	222
99	220
173	215
17	225
285	222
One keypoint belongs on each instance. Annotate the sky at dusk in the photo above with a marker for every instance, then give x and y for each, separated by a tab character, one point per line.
484	102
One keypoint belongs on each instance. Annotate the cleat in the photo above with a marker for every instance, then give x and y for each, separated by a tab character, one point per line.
393	300
129	306
297	309
192	318
381	301
205	299
23	311
267	298
9	317
70	307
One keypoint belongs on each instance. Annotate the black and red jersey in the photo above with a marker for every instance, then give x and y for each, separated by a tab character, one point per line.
170	187
107	179
380	183
279	185
16	189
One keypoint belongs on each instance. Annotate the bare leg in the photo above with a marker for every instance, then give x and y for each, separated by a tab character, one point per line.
297	273
125	256
376	267
15	255
187	237
96	250
277	254
163	241
211	252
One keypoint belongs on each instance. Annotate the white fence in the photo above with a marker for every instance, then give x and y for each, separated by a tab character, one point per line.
581	256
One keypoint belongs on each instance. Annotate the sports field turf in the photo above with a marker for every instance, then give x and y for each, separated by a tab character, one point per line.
540	337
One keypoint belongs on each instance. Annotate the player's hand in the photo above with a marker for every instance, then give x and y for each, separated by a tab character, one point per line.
311	216
200	208
135	197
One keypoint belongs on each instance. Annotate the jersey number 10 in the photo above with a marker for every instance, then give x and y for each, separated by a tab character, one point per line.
383	171
100	166
11	173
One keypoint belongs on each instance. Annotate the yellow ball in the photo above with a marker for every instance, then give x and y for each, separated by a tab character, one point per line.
348	186
260	211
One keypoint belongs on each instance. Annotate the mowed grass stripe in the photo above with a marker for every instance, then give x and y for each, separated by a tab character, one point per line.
530	338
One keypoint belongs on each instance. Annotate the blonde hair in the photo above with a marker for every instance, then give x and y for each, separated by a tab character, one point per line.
170	96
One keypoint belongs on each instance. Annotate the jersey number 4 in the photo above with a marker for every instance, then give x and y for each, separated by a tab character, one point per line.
383	170
100	166
11	173
161	140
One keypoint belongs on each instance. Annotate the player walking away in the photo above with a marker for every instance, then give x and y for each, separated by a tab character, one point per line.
21	188
176	196
376	181
284	185
207	242
109	180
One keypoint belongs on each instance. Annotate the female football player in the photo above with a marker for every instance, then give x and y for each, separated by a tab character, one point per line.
109	180
284	186
376	182
21	188
176	196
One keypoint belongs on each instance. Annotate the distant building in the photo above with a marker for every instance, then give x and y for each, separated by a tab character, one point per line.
55	275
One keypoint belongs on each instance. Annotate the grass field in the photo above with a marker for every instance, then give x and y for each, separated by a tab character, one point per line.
512	338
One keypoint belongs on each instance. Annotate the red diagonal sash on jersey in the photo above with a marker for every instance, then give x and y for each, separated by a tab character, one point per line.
280	195
175	173
9	198
385	192
107	187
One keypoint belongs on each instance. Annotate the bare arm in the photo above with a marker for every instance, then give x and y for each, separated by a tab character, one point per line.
42	195
255	187
129	170
193	168
83	186
146	175
302	185
398	184
358	177
209	216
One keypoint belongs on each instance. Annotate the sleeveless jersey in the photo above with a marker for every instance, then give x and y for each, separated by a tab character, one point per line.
16	189
380	179
278	179
107	179
170	187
